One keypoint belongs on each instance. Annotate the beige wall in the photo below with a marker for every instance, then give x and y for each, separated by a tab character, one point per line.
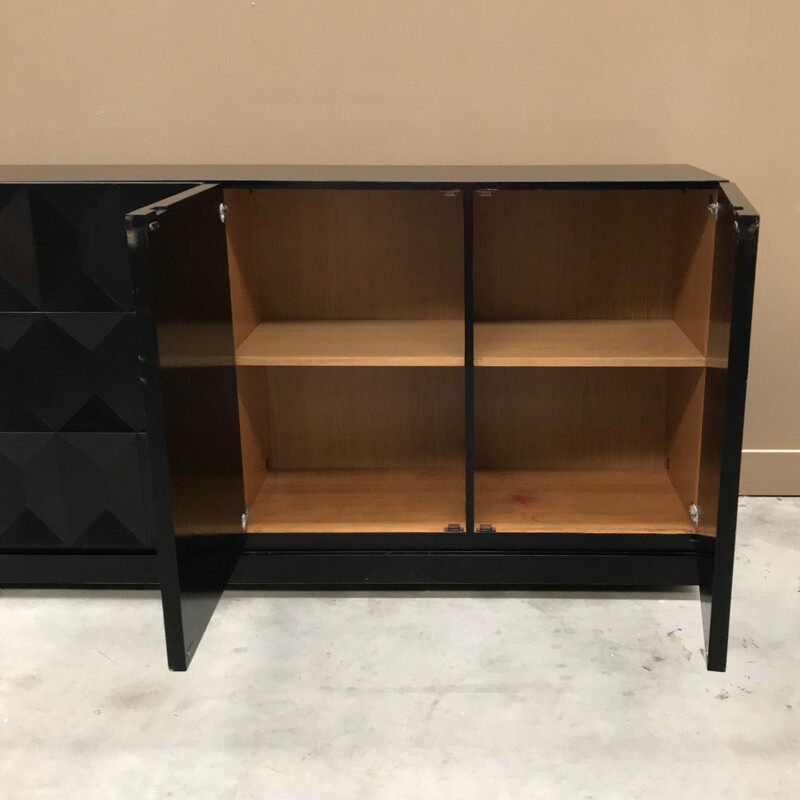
716	84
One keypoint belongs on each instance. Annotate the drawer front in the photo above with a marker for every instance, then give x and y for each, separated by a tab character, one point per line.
76	372
71	490
71	405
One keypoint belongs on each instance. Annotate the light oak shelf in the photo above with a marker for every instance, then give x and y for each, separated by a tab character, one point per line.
358	501
364	343
580	501
584	343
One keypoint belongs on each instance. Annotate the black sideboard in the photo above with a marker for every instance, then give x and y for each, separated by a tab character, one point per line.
344	377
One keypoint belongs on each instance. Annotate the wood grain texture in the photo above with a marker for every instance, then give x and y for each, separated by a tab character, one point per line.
246	282
685	389
577	254
373	343
360	500
584	343
254	428
346	254
363	417
555	418
606	501
694	263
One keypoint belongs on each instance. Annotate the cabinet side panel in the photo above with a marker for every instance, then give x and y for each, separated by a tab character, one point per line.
695	260
685	392
247	283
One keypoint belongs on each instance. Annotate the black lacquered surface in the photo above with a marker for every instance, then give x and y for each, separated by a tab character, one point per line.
71	490
375	175
71	402
69	372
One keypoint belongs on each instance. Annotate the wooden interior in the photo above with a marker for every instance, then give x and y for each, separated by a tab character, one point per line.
584	343
351	254
359	500
591	343
349	343
544	439
583	254
353	280
579	501
344	449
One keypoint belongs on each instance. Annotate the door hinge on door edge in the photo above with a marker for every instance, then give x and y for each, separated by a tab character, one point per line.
454	527
694	513
485	192
245	519
223	212
484	528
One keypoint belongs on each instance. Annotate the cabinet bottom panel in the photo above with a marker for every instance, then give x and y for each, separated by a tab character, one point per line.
580	501
358	500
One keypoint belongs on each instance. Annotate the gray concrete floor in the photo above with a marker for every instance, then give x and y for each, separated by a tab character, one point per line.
507	695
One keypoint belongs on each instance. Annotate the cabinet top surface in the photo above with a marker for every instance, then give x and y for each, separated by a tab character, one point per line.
368	175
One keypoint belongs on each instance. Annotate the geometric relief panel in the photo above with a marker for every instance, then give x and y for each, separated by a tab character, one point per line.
71	490
63	247
69	372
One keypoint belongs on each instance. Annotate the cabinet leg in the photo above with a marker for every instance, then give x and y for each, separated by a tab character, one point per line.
715	599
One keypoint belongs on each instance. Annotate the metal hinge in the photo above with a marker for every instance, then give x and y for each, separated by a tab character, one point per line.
454	527
485	192
451	192
714	208
694	514
484	528
245	518
223	212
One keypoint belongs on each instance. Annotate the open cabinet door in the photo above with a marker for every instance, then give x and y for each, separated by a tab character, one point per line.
723	414
191	453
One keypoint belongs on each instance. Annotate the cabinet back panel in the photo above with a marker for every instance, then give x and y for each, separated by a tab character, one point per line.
357	417
594	254
576	419
302	254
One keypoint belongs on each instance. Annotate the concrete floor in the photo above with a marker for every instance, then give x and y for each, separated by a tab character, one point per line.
507	695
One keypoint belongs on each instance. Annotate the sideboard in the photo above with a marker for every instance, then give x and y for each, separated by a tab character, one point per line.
366	376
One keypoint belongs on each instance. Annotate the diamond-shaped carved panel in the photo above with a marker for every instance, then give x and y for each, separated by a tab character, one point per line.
71	490
63	247
69	372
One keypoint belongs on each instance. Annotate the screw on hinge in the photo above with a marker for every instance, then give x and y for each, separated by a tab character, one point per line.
483	528
451	192
485	192
454	527
154	226
694	513
223	212
245	518
714	208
